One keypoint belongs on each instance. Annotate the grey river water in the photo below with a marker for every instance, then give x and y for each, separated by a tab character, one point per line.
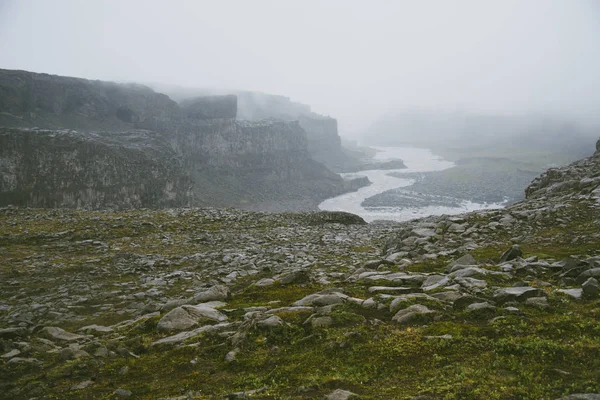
417	160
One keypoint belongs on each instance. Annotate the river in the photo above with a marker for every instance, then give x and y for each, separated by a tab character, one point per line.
417	160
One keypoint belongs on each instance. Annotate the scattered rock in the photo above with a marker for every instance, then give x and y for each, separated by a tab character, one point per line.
59	334
340	394
414	313
591	289
122	393
511	254
519	294
82	385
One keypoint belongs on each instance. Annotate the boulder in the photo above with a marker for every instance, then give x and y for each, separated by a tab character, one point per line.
511	254
581	396
321	299
57	334
217	292
414	313
340	394
516	294
573	293
397	303
467	259
590	288
187	316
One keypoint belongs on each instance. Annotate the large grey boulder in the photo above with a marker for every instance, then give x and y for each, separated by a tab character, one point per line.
511	254
321	299
516	294
217	292
397	303
340	394
591	289
298	276
182	336
414	313
58	334
177	319
467	259
590	273
188	316
573	293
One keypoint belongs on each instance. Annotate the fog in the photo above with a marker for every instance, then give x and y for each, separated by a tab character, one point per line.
354	60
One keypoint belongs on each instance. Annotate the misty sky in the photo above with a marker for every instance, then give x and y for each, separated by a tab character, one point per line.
353	60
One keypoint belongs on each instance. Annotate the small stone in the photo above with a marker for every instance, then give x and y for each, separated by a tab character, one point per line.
265	282
82	385
480	307
340	394
321	322
96	329
101	352
11	354
539	302
122	393
231	356
20	360
271	322
69	353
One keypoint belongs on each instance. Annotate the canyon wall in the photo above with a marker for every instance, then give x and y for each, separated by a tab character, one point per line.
324	142
128	146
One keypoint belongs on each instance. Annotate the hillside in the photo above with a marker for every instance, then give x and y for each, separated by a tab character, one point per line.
213	303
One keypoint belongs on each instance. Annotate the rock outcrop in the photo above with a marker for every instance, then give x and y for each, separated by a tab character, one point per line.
582	175
128	146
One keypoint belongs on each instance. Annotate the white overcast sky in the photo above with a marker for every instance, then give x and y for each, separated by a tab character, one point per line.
350	59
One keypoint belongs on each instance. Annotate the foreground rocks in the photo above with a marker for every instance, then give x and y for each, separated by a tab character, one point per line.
205	303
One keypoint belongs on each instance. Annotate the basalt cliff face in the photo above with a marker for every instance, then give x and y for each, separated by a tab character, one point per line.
324	142
108	145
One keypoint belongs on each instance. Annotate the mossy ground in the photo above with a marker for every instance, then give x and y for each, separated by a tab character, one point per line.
538	354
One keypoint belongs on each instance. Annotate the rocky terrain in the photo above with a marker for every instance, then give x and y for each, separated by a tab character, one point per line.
190	303
100	145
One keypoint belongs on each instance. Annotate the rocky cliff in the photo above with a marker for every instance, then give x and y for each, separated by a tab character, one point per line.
54	168
198	149
324	142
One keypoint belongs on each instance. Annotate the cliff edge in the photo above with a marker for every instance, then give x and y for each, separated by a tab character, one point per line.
82	155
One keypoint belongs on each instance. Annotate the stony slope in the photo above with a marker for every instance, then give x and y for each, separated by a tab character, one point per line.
206	303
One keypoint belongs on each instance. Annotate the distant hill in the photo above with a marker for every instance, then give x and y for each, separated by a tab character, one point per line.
542	139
